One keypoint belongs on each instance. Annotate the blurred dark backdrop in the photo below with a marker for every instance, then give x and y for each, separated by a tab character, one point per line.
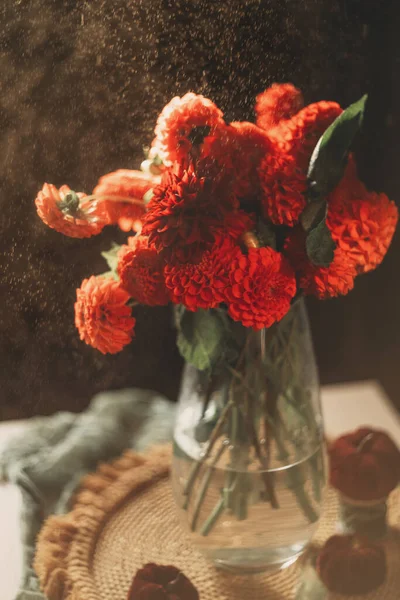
81	86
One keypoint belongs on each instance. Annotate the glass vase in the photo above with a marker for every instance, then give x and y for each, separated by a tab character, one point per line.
248	464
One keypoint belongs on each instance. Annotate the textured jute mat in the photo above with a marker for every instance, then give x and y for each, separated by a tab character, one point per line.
124	516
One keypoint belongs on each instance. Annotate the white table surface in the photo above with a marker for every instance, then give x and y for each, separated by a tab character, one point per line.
345	407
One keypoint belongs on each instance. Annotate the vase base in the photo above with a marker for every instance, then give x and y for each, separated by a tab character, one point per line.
251	562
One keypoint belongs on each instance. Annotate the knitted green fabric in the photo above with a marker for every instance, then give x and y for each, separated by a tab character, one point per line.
49	459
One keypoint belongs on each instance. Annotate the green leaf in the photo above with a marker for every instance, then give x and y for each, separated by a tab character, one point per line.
313	214
202	337
320	245
111	256
329	158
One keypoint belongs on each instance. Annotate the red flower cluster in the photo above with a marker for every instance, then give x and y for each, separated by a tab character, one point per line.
185	213
283	170
323	282
362	225
278	102
101	315
221	213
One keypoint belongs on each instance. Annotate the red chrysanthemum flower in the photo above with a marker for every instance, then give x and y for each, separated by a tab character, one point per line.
101	315
141	272
201	285
185	213
278	102
284	187
122	192
299	135
69	212
261	287
238	149
362	223
322	282
183	124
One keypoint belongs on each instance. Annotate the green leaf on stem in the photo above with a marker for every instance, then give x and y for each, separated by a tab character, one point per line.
320	245
313	214
202	337
111	257
329	158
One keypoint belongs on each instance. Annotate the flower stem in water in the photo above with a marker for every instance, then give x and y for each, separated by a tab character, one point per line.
204	486
197	465
214	516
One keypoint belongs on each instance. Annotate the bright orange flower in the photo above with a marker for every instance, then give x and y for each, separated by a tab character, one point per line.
323	282
70	213
284	187
183	124
278	102
122	192
261	287
362	223
101	315
141	272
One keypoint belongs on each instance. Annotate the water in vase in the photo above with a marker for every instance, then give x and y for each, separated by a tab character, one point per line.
231	518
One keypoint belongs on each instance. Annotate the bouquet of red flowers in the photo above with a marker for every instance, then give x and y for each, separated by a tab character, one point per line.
233	223
239	216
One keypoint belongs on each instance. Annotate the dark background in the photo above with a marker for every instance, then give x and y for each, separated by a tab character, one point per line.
81	86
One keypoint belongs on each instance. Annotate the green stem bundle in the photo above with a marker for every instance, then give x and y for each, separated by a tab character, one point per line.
251	423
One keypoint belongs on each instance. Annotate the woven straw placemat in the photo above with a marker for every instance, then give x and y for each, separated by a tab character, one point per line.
124	516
